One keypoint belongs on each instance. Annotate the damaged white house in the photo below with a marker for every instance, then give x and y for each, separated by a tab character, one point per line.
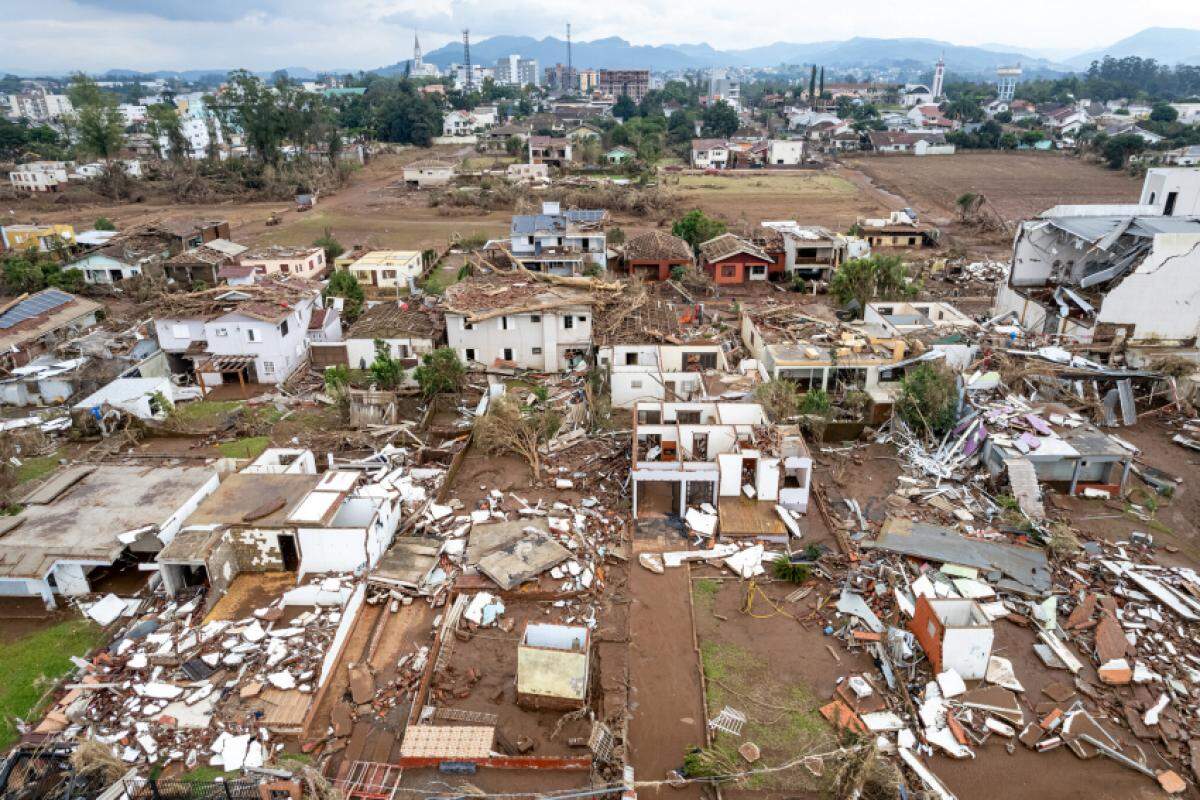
691	454
88	520
285	519
1107	273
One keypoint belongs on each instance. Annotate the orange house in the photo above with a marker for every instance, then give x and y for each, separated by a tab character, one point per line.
732	260
652	255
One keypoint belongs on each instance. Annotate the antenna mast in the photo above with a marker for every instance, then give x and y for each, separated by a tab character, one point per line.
467	58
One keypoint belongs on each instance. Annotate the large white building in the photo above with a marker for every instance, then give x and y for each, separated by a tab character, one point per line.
1102	272
513	70
256	334
509	320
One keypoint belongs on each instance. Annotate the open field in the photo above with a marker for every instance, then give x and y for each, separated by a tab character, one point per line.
826	197
1017	185
374	211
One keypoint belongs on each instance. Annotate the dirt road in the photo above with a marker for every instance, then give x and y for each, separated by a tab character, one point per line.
668	709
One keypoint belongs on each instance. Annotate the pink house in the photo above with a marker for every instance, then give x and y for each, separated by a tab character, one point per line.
307	262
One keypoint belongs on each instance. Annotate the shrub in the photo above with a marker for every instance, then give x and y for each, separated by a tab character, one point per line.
440	372
928	399
785	570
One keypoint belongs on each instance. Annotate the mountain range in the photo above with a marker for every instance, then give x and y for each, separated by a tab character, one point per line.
1167	45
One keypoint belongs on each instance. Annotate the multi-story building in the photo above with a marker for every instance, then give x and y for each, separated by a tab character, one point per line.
39	176
249	334
633	83
506	319
39	105
513	70
559	242
1102	273
712	453
562	79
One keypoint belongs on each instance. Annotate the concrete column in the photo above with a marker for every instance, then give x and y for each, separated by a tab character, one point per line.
1074	478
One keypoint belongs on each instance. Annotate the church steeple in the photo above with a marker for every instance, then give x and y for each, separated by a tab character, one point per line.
416	59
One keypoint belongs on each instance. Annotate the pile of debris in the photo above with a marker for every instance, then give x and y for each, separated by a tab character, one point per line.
175	688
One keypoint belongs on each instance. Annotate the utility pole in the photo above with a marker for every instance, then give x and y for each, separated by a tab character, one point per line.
467	58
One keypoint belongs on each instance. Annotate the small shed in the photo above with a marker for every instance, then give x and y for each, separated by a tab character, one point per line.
553	667
956	634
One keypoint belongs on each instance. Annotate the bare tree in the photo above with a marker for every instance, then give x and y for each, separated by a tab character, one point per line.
507	427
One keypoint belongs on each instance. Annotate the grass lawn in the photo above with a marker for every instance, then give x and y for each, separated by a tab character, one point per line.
204	410
815	184
248	447
38	467
446	274
32	665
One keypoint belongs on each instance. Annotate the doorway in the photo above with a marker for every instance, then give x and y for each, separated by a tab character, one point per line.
288	552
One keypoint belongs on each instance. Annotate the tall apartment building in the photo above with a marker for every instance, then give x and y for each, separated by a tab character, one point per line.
513	70
633	83
562	79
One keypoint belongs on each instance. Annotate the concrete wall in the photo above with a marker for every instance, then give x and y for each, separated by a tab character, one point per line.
1161	298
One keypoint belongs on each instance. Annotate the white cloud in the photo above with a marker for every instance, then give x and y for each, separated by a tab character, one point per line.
59	35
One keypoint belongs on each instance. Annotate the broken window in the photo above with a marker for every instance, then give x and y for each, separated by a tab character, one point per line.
469	354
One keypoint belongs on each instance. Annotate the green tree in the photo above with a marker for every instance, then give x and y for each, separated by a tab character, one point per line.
99	126
928	400
720	120
343	284
23	274
1162	112
104	224
268	116
1118	149
163	121
624	108
879	277
441	372
616	236
812	84
333	248
386	372
513	145
696	227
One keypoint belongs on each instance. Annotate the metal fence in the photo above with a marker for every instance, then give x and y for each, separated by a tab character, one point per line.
168	789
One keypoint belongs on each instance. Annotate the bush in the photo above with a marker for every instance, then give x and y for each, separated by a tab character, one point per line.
385	370
815	401
440	372
928	399
104	224
778	398
785	570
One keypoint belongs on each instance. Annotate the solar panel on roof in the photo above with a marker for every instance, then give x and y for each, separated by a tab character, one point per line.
40	303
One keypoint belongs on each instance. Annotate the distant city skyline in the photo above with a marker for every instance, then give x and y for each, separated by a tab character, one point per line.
149	35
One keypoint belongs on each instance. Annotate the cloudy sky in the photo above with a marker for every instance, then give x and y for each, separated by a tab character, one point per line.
60	35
